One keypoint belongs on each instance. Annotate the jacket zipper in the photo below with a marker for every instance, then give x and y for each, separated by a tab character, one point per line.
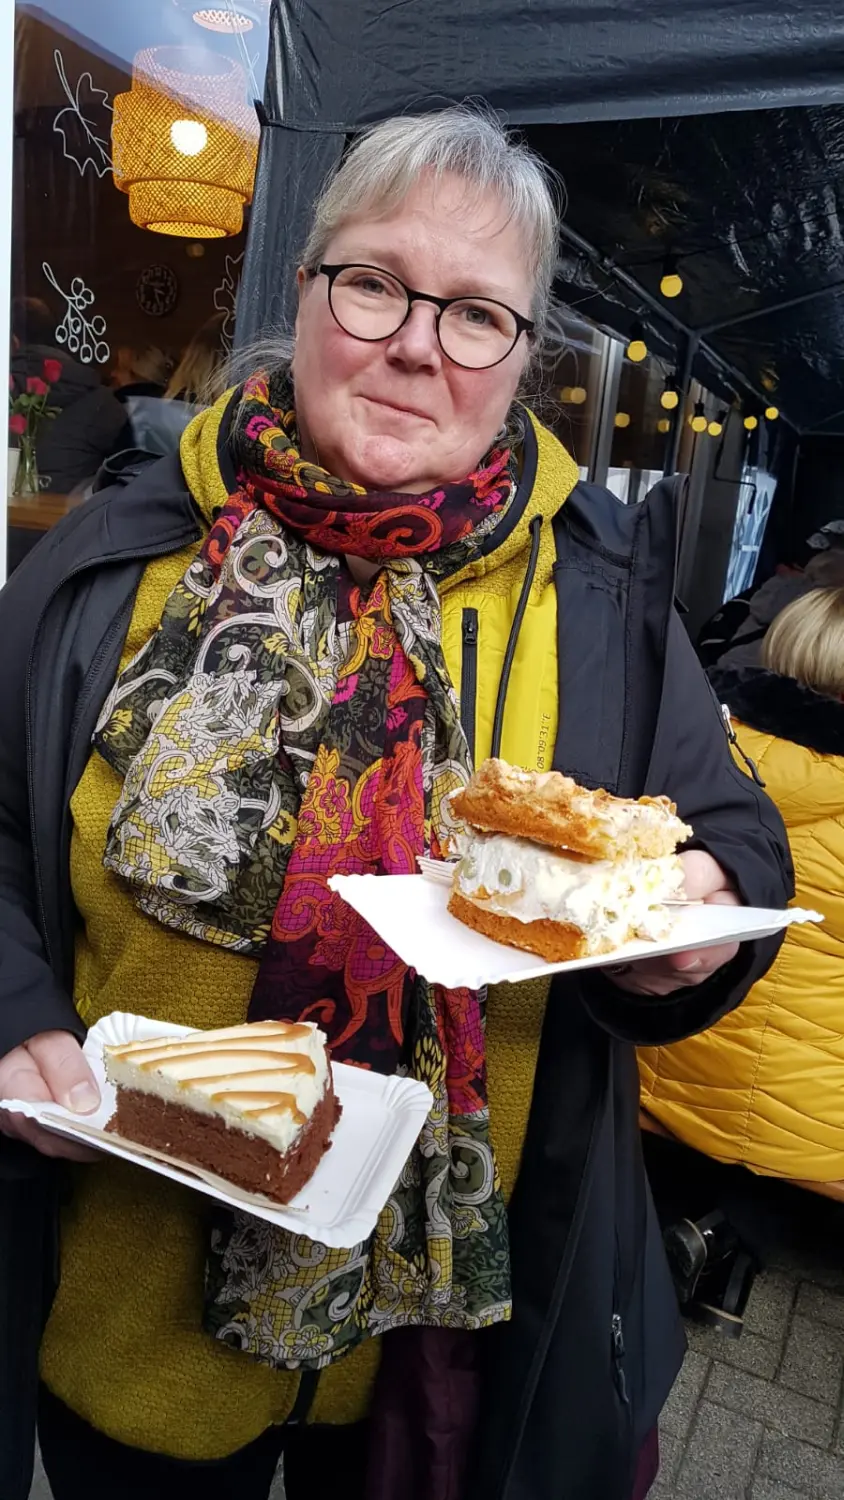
733	739
469	678
147	555
618	1353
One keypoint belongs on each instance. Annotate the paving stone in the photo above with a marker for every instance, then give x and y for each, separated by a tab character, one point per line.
682	1403
813	1362
670	1456
720	1455
771	1489
823	1306
786	1411
810	1472
769	1306
756	1355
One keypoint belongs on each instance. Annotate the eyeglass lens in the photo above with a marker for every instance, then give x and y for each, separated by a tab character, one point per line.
372	305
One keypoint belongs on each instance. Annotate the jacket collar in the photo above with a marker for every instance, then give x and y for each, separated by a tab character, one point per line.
782	707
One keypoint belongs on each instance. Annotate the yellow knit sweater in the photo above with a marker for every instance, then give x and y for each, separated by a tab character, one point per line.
124	1346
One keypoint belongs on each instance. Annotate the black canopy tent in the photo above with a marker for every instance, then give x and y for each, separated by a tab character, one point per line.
714	131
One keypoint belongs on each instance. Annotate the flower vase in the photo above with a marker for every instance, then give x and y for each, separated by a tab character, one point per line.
27	481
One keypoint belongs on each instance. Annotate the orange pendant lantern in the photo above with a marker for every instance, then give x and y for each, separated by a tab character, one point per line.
185	144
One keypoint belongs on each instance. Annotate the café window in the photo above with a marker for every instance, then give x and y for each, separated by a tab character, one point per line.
641	430
134	159
573	380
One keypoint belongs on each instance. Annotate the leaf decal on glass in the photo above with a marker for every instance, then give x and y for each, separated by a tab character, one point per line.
85	123
225	296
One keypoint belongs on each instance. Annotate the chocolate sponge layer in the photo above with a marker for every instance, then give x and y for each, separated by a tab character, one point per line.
202	1140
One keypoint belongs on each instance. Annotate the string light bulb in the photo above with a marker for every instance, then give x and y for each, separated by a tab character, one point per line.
670	398
717	427
637	349
622	419
664	424
671	284
772	413
697	421
751	422
578	395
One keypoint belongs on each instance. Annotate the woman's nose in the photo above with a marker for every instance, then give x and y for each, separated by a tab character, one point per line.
415	344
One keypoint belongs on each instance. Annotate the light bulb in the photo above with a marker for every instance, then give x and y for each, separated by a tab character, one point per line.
190	137
751	423
671	284
697	421
565	393
622	419
578	395
715	429
772	412
670	399
637	350
664	424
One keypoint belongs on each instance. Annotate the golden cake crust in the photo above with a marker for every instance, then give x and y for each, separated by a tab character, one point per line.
555	942
552	809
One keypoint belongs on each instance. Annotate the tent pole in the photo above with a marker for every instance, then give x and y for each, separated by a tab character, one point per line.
772	308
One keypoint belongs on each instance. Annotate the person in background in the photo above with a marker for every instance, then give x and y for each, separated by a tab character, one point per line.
369	568
735	632
196	378
140	372
763	1087
91	422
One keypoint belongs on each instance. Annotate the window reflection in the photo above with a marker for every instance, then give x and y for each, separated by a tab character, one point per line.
641	431
129	301
573	379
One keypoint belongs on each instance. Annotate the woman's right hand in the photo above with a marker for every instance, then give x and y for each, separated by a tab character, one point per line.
49	1068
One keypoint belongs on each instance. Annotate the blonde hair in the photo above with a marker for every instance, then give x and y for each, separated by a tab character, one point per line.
806	642
197	376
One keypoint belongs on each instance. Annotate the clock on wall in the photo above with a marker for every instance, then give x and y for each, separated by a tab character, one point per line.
157	291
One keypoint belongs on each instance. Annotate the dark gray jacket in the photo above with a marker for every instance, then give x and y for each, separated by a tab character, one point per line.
578	1378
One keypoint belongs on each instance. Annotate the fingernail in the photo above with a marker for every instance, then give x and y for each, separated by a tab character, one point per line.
83	1099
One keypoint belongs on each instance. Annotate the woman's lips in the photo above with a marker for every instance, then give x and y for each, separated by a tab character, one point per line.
397	409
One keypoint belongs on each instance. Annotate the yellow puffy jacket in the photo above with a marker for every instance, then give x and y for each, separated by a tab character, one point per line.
765	1086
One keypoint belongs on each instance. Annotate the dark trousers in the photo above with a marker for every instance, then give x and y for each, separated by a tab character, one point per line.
320	1463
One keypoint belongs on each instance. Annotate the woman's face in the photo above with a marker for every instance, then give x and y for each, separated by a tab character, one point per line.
399	415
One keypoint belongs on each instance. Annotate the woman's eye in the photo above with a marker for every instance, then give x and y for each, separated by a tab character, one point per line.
478	317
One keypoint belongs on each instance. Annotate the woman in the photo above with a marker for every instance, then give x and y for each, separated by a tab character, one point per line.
406	562
763	1087
196	376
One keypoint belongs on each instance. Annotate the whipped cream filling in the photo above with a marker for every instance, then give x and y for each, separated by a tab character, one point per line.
265	1078
609	901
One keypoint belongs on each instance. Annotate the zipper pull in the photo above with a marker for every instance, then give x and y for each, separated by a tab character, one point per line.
470	627
733	739
618	1352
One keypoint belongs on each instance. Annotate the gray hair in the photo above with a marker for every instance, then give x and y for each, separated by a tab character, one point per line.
383	164
467	141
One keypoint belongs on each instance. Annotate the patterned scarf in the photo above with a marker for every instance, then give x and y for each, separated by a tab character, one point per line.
283	725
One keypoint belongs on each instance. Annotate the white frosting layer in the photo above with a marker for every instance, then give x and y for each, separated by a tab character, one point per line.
607	900
265	1079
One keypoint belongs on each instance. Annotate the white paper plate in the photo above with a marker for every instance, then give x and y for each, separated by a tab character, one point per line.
379	1126
410	913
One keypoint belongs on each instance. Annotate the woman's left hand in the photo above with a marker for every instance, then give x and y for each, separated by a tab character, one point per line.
705	881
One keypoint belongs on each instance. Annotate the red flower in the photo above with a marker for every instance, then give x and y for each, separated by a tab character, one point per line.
36	386
52	370
17	424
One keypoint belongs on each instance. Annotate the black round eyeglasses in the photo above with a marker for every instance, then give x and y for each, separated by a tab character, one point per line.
372	304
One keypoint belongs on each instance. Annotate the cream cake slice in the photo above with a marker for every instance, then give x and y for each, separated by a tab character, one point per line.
254	1104
549	866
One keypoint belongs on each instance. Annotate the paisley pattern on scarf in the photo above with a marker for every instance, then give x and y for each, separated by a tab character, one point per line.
283	725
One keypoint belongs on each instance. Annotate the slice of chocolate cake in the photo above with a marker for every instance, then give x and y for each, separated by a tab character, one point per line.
254	1104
